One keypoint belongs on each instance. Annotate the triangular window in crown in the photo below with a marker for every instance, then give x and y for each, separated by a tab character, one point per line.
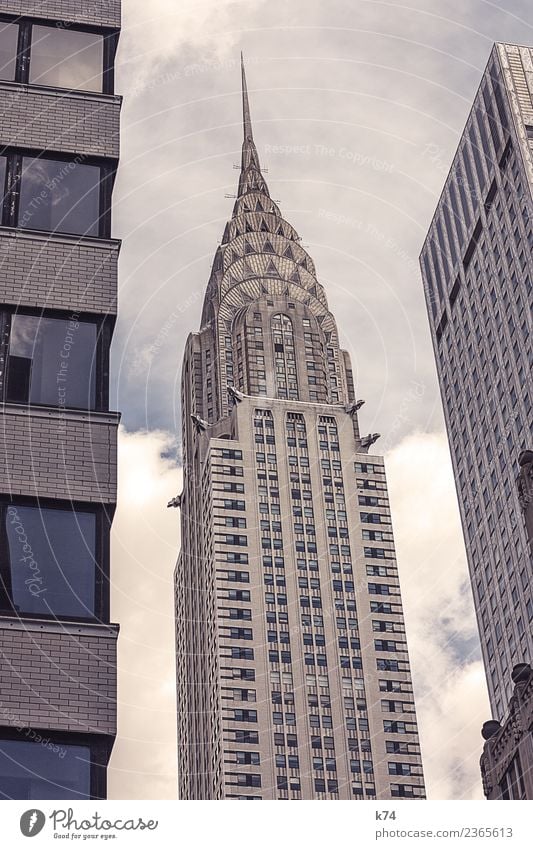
313	290
259	207
248	228
295	278
288	253
271	269
280	230
248	248
234	256
268	248
248	270
264	226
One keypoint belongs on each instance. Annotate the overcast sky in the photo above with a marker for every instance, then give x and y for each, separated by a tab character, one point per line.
357	107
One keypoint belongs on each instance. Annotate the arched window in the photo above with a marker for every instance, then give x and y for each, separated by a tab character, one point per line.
284	357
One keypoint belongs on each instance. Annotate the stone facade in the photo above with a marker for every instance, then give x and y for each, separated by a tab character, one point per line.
506	763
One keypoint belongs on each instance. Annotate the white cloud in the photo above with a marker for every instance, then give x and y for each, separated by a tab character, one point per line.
154	32
452	702
145	542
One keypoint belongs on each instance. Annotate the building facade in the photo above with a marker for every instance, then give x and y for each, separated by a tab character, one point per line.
477	270
59	147
293	676
507	759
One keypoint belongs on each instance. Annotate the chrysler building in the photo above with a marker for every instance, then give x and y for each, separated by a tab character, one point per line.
293	675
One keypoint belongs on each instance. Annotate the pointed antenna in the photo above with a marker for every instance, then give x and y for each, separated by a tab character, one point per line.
246	120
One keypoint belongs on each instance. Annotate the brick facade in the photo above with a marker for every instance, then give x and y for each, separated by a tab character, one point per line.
58	272
63	121
99	12
71	456
58	677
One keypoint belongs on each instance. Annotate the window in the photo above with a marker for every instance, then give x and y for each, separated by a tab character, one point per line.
58	56
9	34
247	758
52	361
60	196
48	559
30	770
66	58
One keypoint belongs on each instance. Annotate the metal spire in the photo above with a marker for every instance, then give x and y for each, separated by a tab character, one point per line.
246	120
251	178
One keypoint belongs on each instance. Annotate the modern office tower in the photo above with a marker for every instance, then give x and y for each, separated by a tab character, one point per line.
292	668
477	270
59	145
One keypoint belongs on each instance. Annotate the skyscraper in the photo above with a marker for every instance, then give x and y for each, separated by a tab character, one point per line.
59	146
477	269
293	676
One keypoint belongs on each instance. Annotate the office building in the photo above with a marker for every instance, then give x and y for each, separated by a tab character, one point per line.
477	270
293	675
59	147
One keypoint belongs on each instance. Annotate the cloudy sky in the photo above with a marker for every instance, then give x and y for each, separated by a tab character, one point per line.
357	106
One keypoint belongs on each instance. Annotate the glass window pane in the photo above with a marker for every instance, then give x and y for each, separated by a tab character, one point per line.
3	168
52	361
9	34
44	770
66	58
59	196
51	560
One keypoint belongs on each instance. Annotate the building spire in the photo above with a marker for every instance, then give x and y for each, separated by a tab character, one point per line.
246	120
251	178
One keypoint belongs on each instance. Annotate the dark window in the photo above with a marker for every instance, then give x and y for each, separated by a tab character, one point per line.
60	196
9	34
51	361
66	58
48	561
30	770
3	168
